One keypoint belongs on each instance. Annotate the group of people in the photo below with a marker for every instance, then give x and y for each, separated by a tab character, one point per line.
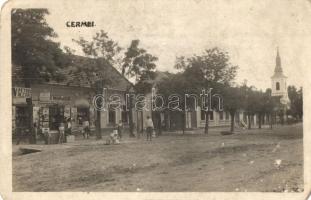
115	137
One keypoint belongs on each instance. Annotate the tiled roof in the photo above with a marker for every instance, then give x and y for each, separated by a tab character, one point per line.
77	74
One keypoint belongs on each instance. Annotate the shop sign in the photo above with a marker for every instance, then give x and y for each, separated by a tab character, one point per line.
45	96
60	98
21	92
19	100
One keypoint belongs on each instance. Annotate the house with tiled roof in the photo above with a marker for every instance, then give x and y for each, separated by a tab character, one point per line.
71	97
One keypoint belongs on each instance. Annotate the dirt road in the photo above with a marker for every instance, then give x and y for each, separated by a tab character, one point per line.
255	160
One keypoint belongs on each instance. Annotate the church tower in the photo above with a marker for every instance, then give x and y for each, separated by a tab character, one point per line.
279	85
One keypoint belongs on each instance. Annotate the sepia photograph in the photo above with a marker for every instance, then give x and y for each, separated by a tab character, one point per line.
158	96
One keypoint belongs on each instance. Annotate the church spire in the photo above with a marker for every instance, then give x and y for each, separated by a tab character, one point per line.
278	66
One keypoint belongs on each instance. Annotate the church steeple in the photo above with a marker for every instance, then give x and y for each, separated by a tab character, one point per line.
278	80
278	67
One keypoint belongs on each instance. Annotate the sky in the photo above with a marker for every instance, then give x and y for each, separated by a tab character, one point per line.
249	30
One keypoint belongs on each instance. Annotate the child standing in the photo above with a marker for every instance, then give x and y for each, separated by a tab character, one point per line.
149	128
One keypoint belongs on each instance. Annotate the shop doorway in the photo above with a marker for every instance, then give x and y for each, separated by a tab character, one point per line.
83	114
22	122
56	115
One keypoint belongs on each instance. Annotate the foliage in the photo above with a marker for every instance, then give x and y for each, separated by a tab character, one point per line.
33	48
211	69
296	102
101	46
140	64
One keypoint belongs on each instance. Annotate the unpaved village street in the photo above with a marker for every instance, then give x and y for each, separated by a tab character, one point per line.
251	160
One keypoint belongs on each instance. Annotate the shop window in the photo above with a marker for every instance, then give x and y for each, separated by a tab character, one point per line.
83	114
202	115
112	117
211	115
124	114
227	115
221	115
56	115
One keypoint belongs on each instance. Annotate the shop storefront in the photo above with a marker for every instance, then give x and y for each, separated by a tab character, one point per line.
53	104
56	104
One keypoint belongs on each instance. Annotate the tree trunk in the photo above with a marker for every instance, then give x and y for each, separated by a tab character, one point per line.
259	121
99	90
271	122
131	126
184	122
159	124
98	125
142	121
206	122
282	117
137	126
249	121
232	122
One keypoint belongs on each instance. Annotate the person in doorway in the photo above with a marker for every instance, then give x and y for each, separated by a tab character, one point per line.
61	129
86	129
149	128
120	129
68	126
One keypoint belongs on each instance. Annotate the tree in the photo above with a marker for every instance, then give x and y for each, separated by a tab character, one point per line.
251	103
270	105
233	101
102	50
177	85
34	50
212	70
296	104
140	64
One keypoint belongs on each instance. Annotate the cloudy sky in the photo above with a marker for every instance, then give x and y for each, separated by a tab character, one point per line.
249	30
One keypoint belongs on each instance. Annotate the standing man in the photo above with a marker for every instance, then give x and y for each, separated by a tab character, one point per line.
120	128
86	128
149	128
61	129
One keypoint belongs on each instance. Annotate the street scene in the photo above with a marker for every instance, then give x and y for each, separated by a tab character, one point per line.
248	161
157	102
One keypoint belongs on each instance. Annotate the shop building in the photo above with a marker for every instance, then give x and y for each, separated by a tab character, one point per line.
53	102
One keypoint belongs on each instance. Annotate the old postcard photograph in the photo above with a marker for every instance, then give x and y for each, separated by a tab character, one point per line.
137	99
